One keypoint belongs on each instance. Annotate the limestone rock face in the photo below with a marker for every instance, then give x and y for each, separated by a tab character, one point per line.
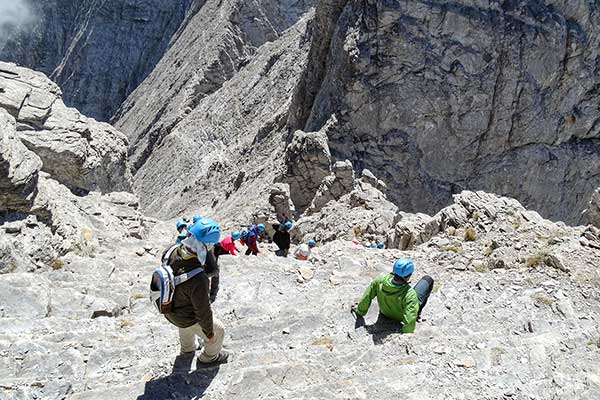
592	213
54	163
19	168
346	208
77	151
216	43
97	52
280	200
308	161
439	97
226	151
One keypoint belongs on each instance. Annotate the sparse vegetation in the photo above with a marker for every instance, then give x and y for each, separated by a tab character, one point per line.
470	234
480	267
57	264
542	298
492	245
11	267
537	259
496	355
476	216
125	324
453	248
324	341
137	296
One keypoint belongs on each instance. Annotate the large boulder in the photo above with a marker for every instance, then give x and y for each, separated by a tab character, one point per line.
19	168
308	160
77	151
279	199
334	186
361	211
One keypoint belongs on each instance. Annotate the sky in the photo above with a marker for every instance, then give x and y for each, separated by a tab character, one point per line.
14	13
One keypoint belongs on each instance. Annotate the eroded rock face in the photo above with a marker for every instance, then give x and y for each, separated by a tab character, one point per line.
308	161
97	52
592	213
353	209
216	43
226	151
280	200
19	168
77	151
441	97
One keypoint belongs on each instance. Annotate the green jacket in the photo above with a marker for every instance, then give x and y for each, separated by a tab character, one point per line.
191	303
399	303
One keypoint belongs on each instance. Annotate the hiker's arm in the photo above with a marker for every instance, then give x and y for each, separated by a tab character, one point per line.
365	301
201	304
411	309
233	249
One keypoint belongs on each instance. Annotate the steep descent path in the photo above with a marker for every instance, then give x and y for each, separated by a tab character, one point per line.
515	331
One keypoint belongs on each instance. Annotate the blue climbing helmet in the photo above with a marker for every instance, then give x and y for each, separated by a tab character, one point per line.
206	231
196	218
312	243
288	224
403	267
180	223
380	245
260	227
236	235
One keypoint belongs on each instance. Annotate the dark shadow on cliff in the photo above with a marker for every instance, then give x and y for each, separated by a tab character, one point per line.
181	383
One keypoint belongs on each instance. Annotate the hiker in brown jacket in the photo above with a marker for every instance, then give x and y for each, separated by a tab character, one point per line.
191	311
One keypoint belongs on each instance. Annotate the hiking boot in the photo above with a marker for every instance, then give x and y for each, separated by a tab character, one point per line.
221	358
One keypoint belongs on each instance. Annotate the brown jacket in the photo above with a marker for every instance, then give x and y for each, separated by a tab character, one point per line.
191	303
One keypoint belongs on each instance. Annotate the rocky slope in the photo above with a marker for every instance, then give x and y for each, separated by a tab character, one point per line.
514	314
98	52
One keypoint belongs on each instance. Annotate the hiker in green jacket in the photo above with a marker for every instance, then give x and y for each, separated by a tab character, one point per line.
397	300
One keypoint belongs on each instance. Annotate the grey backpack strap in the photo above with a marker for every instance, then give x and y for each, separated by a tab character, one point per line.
165	260
187	275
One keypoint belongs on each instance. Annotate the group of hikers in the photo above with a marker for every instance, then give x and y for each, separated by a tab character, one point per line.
250	237
191	267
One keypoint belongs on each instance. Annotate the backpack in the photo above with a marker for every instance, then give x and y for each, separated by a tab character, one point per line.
164	281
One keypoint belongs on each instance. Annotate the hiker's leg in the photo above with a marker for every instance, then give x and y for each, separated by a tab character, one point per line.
211	351
187	338
214	287
248	251
423	289
279	253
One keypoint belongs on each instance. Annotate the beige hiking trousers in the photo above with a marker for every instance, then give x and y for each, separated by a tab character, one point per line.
187	337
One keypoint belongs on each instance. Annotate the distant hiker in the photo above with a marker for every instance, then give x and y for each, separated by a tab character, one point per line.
180	290
181	231
227	245
303	251
282	238
397	300
251	238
